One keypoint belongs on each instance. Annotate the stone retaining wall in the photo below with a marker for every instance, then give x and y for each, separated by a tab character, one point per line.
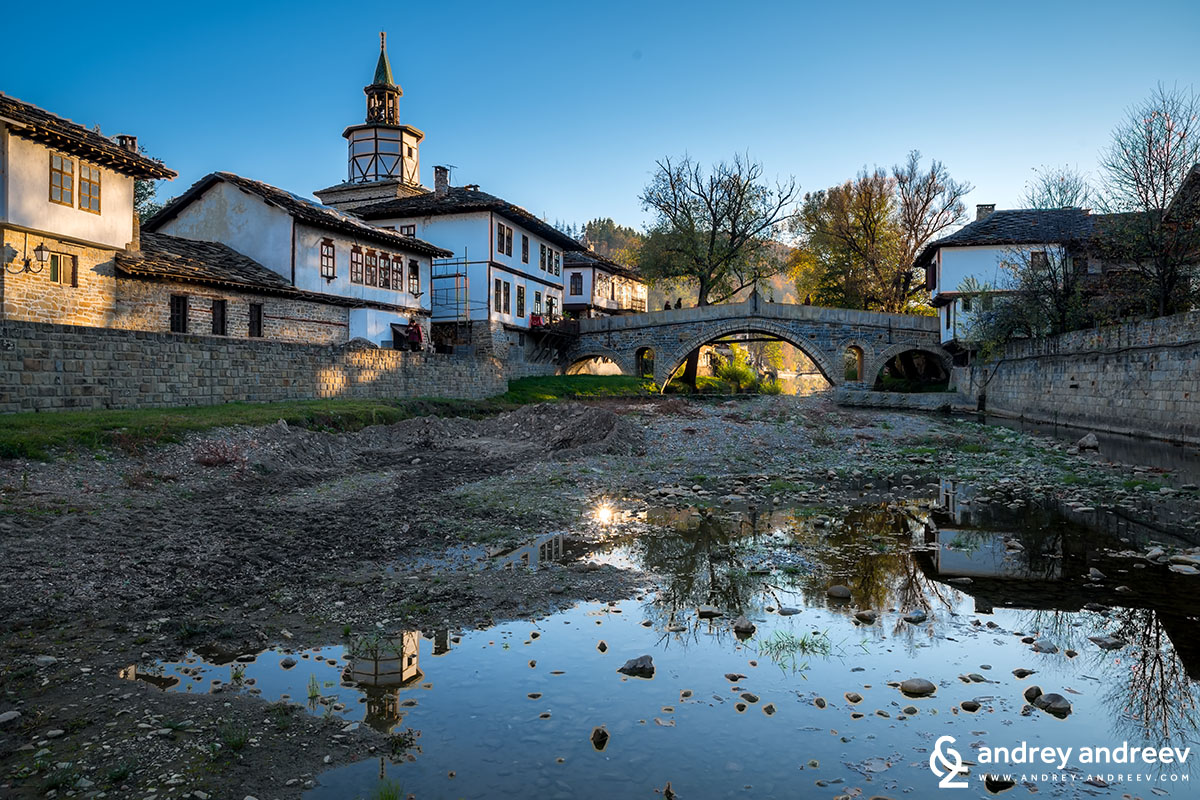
46	367
1140	378
908	401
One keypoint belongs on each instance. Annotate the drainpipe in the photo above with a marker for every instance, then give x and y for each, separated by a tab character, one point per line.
293	252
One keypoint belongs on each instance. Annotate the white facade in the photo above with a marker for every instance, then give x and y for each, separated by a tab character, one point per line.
984	264
25	200
472	237
601	289
313	259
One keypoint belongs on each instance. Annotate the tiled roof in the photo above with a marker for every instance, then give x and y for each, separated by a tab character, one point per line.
1017	226
163	256
461	200
30	122
588	258
307	211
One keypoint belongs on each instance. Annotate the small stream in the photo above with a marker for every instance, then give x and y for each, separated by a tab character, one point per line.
967	593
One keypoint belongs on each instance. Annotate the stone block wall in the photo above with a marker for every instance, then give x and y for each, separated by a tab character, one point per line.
47	367
1140	378
86	300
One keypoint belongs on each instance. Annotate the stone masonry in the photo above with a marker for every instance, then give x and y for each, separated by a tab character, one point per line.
1140	378
46	367
822	334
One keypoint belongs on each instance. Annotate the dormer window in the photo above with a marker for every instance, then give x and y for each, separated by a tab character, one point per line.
328	262
62	180
89	188
408	230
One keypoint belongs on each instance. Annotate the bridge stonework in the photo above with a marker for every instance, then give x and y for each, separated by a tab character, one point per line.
822	334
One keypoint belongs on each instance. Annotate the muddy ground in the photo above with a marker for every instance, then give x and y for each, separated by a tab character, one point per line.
242	539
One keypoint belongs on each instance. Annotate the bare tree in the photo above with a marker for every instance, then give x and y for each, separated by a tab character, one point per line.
928	202
1154	149
1057	187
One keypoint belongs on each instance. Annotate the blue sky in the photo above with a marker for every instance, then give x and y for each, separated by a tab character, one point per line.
564	107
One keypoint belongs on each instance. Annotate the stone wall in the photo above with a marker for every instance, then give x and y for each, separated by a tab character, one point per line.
907	401
1140	378
145	305
87	299
46	367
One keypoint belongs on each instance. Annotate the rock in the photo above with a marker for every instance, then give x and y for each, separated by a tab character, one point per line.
853	698
785	611
866	617
9	716
750	697
45	661
975	677
676	628
743	627
1032	693
838	592
819	702
917	687
55	734
1184	569
1023	673
708	612
960	581
910	710
969	705
1045	646
1095	574
1108	642
1089	442
599	738
1054	704
288	663
916	616
602	646
733	677
640	667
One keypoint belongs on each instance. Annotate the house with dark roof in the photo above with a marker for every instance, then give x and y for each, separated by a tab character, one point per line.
320	253
66	210
598	286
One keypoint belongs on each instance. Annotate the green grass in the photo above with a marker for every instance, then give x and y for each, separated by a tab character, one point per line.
558	387
39	435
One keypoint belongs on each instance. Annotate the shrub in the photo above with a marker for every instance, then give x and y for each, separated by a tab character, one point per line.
218	453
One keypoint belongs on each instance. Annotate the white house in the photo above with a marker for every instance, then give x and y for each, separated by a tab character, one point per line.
318	250
66	210
598	286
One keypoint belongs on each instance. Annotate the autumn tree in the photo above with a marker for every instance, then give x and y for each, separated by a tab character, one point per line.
714	229
1153	151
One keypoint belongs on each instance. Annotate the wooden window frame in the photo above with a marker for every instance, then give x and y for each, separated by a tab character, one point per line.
70	179
178	322
497	294
356	264
577	284
90	183
220	307
508	297
328	259
520	301
385	270
557	262
542	258
500	238
55	265
414	277
255	321
408	230
524	248
537	303
371	268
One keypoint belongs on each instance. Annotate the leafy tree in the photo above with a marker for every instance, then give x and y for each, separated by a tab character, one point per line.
736	371
611	240
1153	151
145	194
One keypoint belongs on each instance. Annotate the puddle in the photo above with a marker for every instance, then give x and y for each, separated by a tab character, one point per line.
539	708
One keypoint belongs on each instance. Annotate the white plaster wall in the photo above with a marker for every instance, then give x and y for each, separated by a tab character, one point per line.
226	214
374	324
308	269
27	191
515	279
4	136
514	262
586	296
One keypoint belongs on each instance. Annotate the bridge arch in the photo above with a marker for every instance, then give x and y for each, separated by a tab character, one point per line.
622	360
864	354
668	361
875	365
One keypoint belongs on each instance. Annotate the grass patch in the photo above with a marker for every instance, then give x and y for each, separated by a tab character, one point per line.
1149	486
40	435
552	388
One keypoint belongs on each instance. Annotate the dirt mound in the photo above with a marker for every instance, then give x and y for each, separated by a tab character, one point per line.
563	431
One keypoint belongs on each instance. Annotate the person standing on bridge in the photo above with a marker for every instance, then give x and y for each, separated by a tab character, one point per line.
679	302
667	306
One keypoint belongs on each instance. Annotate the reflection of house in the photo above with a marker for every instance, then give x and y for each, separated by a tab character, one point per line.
598	286
382	669
163	682
542	551
66	209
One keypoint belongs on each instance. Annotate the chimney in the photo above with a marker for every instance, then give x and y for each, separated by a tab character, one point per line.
982	210
441	180
127	142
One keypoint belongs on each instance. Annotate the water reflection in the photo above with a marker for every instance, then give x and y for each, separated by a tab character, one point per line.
543	550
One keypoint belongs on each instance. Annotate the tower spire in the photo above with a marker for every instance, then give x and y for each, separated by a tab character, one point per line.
383	69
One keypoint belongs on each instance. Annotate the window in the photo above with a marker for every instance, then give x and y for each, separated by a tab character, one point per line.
948	317
1037	259
408	230
542	258
966	304
62	180
218	315
385	271
356	264
1080	265
537	302
62	269
557	263
507	297
497	295
179	313
256	320
504	239
987	302
524	249
89	188
371	272
398	273
327	259
521	302
550	306
414	277
576	283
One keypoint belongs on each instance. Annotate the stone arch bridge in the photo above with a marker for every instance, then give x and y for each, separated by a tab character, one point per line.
822	334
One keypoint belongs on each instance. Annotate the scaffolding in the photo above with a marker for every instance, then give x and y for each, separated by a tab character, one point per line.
450	303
